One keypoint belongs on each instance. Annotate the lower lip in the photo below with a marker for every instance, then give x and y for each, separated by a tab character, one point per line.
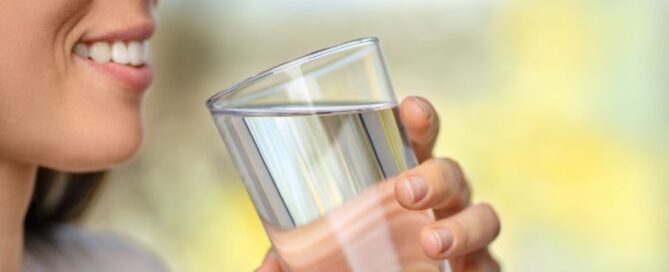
133	78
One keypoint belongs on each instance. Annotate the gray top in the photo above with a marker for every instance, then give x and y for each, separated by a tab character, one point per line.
71	249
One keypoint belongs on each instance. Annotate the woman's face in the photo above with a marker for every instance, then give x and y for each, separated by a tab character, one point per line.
72	78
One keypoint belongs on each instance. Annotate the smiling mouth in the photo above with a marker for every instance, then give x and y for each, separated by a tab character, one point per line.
122	55
125	62
132	53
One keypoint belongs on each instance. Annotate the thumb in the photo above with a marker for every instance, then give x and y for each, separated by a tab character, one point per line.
421	123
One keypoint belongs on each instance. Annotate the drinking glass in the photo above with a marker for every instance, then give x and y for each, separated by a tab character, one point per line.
317	141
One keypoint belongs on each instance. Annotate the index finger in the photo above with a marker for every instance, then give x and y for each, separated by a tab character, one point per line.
422	125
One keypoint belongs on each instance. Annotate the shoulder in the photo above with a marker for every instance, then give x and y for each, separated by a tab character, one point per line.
68	248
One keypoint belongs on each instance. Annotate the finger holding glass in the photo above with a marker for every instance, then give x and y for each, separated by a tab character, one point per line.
463	231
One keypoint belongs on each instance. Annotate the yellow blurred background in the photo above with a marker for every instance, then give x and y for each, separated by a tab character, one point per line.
558	110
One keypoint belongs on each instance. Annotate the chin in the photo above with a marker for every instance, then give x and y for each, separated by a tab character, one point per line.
95	153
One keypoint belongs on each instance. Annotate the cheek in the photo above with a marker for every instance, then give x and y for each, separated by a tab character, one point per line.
101	125
51	112
83	125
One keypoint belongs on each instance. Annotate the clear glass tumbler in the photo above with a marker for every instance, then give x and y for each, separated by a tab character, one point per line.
317	141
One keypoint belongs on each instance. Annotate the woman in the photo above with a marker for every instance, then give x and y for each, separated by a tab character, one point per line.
72	78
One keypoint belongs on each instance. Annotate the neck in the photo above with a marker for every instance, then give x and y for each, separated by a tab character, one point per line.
16	187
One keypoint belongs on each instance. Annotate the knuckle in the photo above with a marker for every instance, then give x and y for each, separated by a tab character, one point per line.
451	171
449	165
440	175
429	168
442	164
452	164
452	190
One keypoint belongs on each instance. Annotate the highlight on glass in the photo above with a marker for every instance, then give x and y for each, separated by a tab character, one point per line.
316	140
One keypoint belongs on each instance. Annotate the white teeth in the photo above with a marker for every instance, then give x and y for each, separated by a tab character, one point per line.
120	53
100	52
135	50
81	50
134	53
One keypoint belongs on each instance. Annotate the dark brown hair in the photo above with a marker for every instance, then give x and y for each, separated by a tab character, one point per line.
60	197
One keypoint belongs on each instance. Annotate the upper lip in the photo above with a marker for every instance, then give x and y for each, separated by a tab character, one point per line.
138	32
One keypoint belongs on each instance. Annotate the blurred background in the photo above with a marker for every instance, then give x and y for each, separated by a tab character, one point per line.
557	109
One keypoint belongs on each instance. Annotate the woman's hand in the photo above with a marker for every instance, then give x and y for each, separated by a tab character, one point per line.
462	231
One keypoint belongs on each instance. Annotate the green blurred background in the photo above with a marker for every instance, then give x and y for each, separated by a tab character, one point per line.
557	109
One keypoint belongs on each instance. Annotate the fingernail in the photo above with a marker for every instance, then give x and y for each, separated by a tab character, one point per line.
423	104
442	239
416	187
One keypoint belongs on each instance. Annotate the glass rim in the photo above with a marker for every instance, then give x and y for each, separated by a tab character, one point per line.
287	65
